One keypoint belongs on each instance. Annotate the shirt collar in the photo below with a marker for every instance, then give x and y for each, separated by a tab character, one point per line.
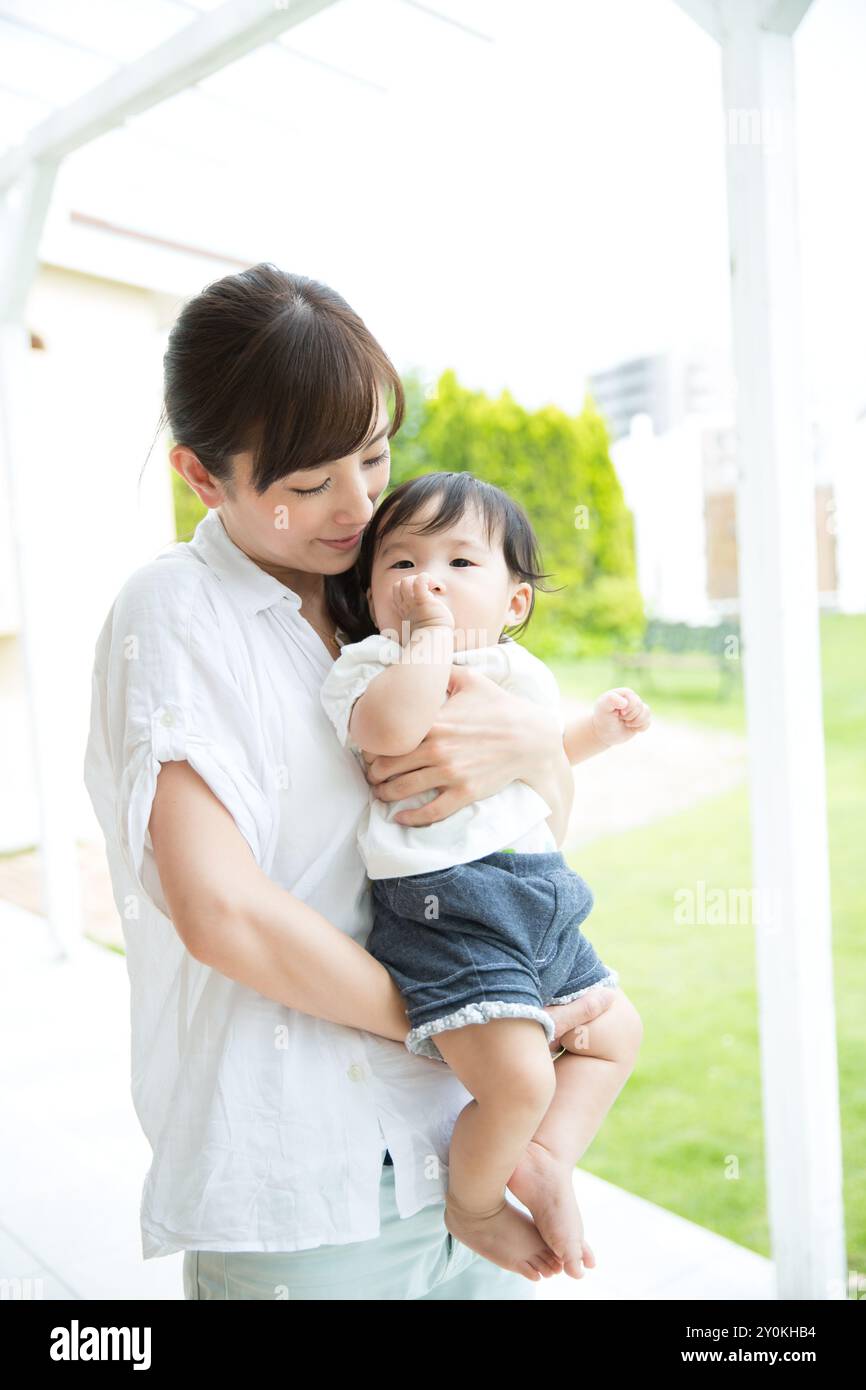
252	588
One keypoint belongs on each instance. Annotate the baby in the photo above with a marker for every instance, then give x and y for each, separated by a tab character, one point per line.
477	916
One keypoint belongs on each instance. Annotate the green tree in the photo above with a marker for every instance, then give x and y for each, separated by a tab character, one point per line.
559	468
188	507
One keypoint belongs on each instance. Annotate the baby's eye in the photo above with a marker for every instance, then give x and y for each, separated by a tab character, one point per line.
461	561
397	563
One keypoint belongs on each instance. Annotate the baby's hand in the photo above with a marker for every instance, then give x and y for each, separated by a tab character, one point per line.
618	715
418	605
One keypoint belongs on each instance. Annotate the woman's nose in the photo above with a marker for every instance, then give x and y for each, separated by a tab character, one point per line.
355	510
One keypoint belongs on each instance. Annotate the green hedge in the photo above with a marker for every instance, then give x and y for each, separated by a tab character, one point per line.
559	468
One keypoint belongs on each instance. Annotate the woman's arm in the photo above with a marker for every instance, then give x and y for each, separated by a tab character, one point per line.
484	738
231	916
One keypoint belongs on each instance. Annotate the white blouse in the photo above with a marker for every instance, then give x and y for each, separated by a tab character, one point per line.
268	1126
516	816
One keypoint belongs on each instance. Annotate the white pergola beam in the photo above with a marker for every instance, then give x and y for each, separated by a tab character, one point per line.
706	14
22	217
208	44
718	17
783	16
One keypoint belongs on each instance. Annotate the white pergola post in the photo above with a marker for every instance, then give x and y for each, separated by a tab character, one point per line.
782	659
21	218
27	176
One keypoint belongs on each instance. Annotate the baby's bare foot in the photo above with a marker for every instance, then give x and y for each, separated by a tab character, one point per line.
544	1185
505	1236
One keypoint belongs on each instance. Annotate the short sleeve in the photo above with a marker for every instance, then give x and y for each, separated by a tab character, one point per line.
168	685
532	678
357	665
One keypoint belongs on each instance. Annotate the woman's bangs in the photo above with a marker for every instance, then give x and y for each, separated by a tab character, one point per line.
329	413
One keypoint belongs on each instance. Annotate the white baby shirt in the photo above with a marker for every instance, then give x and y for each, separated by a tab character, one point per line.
515	817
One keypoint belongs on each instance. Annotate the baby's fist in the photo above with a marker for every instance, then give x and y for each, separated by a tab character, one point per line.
415	601
618	715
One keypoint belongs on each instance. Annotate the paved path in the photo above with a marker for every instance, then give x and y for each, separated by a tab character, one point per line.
668	768
74	1157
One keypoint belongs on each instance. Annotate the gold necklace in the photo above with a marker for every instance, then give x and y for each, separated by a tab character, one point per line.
324	636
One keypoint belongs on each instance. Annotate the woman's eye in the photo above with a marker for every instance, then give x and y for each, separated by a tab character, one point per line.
374	463
311	491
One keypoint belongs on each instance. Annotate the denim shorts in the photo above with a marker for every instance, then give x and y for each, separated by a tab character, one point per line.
498	937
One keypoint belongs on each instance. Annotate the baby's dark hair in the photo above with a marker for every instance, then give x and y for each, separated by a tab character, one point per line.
503	519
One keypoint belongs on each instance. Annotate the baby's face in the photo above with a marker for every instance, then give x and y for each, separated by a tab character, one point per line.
470	576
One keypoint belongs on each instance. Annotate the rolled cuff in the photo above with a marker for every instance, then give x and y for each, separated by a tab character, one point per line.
171	740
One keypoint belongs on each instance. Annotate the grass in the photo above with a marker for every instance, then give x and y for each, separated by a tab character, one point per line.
687	1131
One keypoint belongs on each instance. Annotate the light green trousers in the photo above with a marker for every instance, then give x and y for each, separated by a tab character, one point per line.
412	1258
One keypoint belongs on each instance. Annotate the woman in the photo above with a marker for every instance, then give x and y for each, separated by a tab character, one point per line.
268	1066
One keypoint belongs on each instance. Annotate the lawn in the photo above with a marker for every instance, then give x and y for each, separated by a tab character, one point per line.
686	1131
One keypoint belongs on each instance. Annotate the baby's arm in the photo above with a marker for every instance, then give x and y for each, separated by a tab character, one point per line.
616	716
397	709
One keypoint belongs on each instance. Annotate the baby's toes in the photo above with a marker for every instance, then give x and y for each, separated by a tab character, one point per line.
547	1263
577	1256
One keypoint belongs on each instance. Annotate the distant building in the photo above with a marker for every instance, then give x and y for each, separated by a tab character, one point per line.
666	386
674	446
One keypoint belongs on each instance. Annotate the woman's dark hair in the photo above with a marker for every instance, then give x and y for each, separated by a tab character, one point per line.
280	365
504	520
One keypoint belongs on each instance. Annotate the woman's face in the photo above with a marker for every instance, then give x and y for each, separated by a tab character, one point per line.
287	529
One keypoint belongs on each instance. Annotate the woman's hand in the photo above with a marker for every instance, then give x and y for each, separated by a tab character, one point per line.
567	1017
483	739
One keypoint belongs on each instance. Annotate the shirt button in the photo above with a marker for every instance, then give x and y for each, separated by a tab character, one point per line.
168	719
356	1072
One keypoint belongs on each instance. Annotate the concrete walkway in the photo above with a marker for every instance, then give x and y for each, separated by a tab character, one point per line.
666	769
74	1158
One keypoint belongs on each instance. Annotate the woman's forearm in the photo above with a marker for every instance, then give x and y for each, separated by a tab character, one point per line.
557	788
288	951
231	916
546	767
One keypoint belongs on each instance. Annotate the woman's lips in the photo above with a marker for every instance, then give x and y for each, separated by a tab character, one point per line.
346	544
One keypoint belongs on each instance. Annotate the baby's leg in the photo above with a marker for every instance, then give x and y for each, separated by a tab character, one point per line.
589	1077
588	1081
506	1065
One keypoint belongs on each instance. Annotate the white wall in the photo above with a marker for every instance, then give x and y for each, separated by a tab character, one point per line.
662	481
92	401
